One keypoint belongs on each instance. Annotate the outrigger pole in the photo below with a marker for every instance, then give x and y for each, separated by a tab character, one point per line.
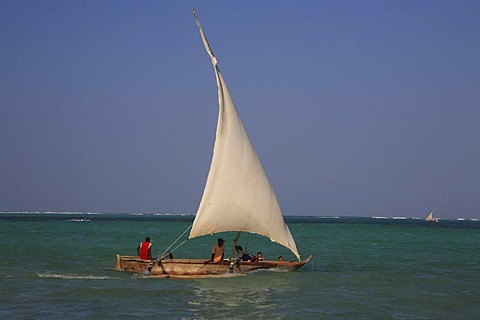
235	241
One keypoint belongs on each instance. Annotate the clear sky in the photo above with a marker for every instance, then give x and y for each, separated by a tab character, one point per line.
356	108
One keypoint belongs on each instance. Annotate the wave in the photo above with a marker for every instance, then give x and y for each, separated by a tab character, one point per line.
73	276
91	214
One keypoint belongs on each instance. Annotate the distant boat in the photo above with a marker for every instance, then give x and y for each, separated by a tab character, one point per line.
238	197
430	217
79	220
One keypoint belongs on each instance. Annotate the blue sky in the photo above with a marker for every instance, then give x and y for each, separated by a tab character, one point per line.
356	108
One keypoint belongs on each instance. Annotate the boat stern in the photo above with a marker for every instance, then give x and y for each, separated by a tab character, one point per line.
131	264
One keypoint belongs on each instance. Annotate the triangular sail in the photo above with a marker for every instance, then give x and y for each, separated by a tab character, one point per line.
238	195
430	217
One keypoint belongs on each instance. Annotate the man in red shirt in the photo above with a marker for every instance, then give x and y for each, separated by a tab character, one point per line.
144	249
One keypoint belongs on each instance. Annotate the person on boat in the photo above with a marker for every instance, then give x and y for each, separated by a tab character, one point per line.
260	256
245	256
280	258
218	250
144	249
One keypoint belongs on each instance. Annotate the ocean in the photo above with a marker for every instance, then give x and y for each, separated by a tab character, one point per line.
55	267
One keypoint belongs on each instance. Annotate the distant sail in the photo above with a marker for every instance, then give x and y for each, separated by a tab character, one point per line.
238	195
430	217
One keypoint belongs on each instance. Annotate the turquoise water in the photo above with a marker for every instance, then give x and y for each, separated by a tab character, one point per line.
363	268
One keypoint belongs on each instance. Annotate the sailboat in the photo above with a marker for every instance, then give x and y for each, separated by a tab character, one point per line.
430	217
237	197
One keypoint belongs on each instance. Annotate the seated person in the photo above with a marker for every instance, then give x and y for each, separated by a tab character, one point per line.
218	251
244	255
260	256
144	249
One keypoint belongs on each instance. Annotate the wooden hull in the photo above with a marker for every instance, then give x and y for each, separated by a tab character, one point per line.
200	268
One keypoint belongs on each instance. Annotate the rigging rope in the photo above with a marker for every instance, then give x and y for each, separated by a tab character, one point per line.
160	257
181	244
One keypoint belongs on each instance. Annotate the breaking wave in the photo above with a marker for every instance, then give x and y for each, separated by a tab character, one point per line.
73	276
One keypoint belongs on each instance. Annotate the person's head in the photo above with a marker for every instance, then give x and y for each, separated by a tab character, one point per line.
147	239
280	258
239	248
259	254
220	242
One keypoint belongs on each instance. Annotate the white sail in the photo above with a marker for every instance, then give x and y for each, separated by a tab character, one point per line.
238	195
430	217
